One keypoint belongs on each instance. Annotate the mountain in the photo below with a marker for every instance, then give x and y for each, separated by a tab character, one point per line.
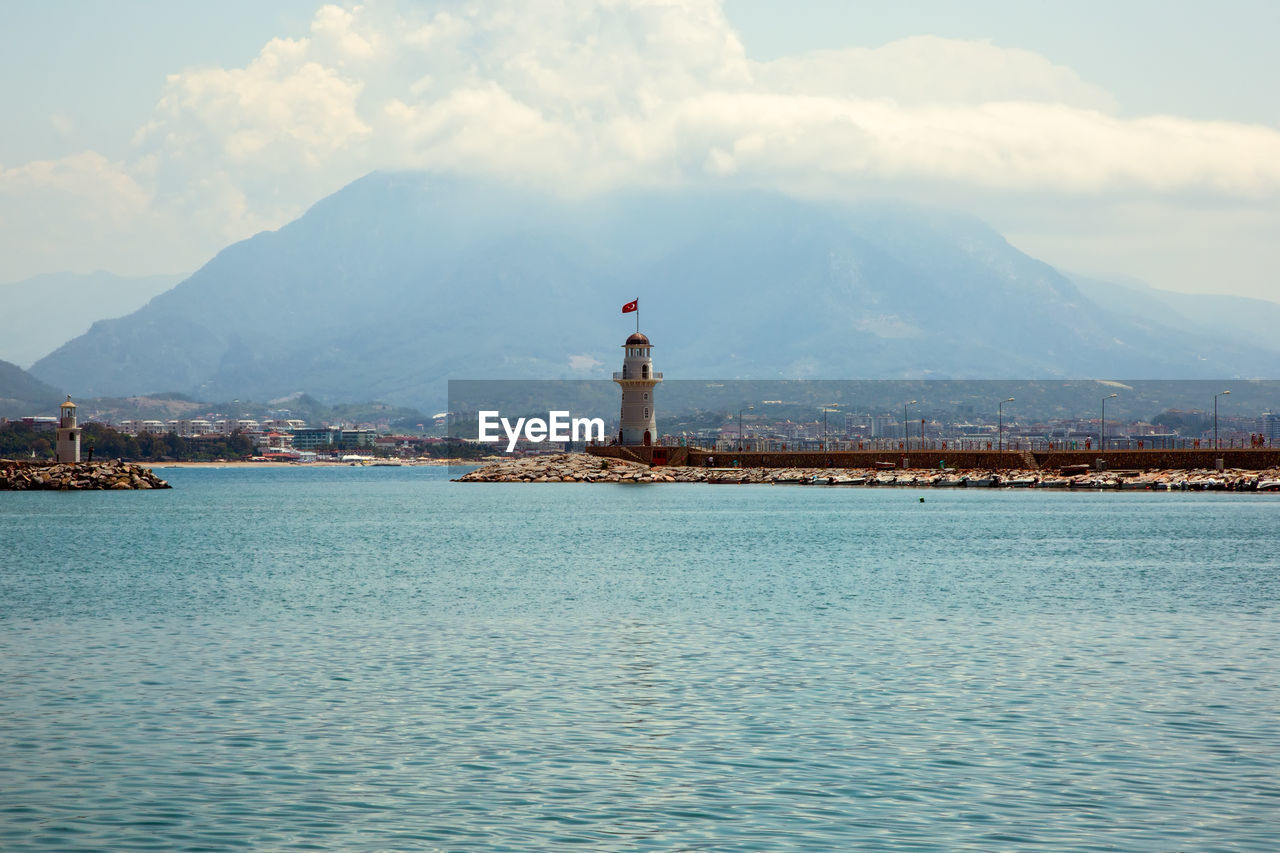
45	311
22	394
1252	321
399	282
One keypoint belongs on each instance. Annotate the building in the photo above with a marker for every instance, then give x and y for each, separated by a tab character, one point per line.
68	446
639	421
1271	427
310	438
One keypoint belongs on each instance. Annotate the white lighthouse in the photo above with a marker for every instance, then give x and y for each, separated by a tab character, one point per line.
68	444
639	423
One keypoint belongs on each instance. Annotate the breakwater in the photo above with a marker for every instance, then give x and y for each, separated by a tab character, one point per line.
1249	459
585	468
22	475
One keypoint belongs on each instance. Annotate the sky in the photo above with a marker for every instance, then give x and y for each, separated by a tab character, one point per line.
1132	141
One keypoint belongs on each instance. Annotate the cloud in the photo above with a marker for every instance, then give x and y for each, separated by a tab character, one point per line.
582	95
64	124
927	70
47	204
601	93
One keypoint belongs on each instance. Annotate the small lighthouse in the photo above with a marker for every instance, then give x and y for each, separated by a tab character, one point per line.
639	417
68	446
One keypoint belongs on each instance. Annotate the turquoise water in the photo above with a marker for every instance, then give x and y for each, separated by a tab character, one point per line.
377	659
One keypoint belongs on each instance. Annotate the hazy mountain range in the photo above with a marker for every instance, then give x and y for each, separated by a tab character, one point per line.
1253	321
23	394
43	312
400	282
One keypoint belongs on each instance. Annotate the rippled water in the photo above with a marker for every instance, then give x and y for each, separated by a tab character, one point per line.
379	659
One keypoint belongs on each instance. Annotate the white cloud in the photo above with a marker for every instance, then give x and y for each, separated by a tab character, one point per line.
925	70
585	94
63	123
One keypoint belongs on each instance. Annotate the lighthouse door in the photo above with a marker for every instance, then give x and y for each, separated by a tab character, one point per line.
648	439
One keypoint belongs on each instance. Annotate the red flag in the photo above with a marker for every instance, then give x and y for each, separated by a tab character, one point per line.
633	305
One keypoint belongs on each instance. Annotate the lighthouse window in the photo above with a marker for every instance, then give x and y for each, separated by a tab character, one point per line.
646	411
646	395
644	371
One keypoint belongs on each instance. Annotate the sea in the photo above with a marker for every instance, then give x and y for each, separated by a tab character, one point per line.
380	659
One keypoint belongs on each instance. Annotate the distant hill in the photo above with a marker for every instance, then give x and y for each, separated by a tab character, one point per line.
43	312
1251	321
399	282
22	394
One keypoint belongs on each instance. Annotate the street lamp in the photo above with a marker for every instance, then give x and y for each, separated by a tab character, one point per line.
1215	417
826	436
1000	418
740	434
906	438
1102	427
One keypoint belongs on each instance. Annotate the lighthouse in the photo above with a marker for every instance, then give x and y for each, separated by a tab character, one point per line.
639	423
68	445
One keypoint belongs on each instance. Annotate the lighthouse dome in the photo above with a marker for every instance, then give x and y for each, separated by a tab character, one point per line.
637	340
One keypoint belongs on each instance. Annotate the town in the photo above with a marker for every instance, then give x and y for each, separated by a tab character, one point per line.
275	436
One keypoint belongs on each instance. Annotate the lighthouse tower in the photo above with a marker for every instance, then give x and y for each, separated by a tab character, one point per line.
68	446
639	416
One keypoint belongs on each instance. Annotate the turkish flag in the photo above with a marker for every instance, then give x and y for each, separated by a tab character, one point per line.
633	305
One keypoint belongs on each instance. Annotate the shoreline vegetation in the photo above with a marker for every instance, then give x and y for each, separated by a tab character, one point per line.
585	468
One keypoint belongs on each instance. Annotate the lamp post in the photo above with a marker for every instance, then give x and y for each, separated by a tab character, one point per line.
906	438
1000	419
1102	427
1215	417
826	435
740	434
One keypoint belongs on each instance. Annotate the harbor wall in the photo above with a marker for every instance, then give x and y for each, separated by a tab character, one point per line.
1251	459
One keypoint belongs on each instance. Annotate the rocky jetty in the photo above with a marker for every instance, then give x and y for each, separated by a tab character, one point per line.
69	476
583	468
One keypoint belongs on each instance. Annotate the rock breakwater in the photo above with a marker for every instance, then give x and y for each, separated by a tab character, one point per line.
582	468
24	476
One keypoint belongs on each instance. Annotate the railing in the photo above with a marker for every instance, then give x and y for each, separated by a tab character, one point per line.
657	376
755	444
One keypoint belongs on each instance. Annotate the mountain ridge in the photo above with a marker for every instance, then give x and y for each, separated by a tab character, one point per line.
44	311
400	281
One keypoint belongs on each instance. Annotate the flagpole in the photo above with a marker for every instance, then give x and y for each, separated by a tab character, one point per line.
637	316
